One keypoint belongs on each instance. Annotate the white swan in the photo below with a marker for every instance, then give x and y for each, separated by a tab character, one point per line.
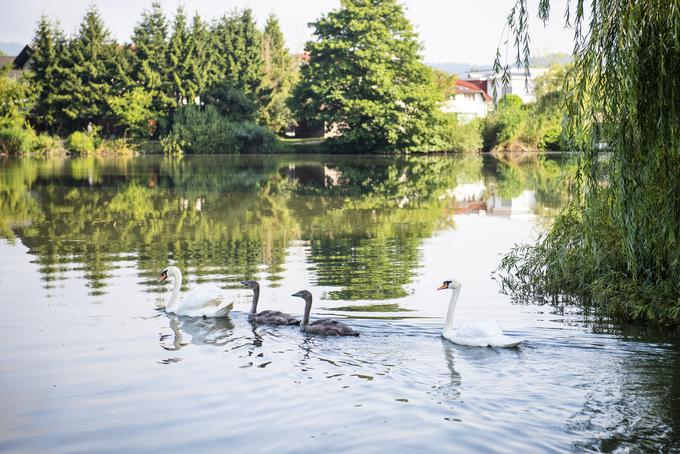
203	301
485	333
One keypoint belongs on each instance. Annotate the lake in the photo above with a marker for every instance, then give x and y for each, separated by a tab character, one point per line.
89	364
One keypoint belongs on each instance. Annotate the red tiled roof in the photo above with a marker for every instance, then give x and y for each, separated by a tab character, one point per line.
473	86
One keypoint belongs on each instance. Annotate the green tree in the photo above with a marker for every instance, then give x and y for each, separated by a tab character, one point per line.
92	62
48	77
132	110
202	69
183	88
231	102
150	67
279	77
226	45
15	98
239	50
366	75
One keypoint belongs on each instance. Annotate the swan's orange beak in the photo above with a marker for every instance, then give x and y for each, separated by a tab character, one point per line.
444	286
163	277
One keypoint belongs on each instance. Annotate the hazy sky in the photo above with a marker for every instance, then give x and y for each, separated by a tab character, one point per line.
451	30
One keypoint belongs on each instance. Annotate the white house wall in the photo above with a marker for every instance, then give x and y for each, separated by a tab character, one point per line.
518	83
466	108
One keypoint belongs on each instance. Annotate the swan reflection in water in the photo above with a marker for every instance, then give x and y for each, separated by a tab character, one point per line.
450	391
197	331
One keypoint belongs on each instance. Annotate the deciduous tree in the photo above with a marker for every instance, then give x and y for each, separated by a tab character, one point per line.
366	75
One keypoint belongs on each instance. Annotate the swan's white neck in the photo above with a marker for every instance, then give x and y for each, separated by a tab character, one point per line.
174	298
448	324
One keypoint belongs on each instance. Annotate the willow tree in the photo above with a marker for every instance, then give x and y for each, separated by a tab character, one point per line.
617	245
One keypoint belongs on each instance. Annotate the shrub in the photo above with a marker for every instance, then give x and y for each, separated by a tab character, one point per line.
116	146
49	144
231	102
461	137
15	138
82	142
206	131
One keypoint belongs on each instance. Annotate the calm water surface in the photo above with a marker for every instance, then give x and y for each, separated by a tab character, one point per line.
87	363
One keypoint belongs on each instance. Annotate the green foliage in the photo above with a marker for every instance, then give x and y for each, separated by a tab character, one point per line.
366	77
198	130
461	137
132	111
48	144
82	142
506	123
49	77
202	70
535	126
15	98
90	72
150	66
17	139
239	51
616	247
182	87
280	74
230	102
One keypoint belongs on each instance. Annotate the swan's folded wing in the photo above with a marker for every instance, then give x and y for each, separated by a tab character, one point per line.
202	296
481	329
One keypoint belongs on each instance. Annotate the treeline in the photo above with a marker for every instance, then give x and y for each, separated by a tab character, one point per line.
91	82
227	87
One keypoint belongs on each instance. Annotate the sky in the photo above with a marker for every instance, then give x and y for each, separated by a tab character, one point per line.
450	30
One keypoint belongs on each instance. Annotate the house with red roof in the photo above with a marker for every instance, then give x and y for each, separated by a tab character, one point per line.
470	100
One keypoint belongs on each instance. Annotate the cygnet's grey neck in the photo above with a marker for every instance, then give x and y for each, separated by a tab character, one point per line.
308	309
256	297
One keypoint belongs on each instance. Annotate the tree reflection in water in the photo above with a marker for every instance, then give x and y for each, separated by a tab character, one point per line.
229	218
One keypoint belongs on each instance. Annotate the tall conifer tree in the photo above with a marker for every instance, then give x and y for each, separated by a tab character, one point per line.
279	77
92	66
182	87
227	45
202	69
251	71
238	46
48	77
150	67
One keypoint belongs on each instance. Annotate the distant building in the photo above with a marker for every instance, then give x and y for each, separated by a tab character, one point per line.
518	85
469	101
19	64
